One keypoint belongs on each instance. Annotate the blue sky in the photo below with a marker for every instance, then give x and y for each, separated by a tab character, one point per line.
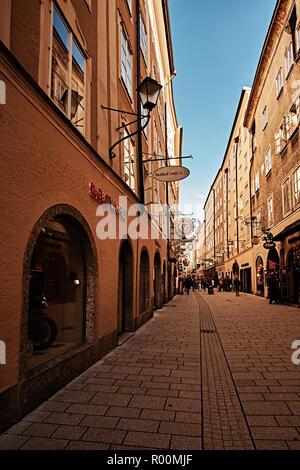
217	45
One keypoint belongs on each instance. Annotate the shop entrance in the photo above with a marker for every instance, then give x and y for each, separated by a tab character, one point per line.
293	275
157	281
125	287
246	280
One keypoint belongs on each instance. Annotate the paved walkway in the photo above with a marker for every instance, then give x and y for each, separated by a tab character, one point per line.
207	372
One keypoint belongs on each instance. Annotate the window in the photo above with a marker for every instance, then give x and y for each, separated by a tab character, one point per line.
252	188
279	82
265	117
129	4
257	181
245	161
270	211
241	202
278	141
286	200
298	38
246	194
68	66
126	63
129	165
289	59
290	122
296	185
268	162
143	35
221	202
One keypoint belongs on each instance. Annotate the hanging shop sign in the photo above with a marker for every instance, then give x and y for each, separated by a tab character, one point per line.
171	173
269	245
184	227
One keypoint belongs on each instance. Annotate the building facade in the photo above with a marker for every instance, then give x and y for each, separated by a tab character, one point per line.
75	273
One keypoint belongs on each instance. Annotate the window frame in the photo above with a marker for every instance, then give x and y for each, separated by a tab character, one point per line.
280	82
265	117
268	162
270	213
287	182
72	39
289	59
296	171
128	52
143	38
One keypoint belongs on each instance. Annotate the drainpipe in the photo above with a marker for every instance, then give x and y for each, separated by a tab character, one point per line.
236	140
138	81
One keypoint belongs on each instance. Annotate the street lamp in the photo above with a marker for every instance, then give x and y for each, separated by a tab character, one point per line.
148	91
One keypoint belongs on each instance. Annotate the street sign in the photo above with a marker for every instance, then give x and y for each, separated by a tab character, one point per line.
171	173
269	245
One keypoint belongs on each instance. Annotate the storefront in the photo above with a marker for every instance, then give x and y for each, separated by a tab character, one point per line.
260	281
289	273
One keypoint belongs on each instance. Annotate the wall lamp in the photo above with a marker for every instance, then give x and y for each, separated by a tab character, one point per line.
148	90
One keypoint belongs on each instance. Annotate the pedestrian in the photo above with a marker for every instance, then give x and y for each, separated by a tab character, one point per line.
236	283
188	285
272	285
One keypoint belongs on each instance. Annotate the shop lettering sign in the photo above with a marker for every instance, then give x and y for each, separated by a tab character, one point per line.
104	198
171	173
269	245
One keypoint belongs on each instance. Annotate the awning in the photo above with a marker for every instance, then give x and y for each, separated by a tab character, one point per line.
289	230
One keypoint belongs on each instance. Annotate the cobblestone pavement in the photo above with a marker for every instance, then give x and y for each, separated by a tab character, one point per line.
207	372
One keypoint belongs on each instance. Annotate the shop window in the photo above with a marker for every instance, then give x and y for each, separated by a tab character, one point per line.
68	65
56	291
260	276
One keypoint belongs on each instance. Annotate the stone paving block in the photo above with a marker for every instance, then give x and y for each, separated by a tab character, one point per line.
186	387
185	417
162	392
158	415
100	388
132	390
36	416
124	412
128	383
116	399
271	445
138	425
262	421
41	429
295	407
110	436
64	418
147	440
288	420
126	370
108	422
87	409
75	386
266	408
43	443
157	372
185	373
183	429
80	445
18	428
251	397
159	385
95	380
280	396
274	432
293	445
53	406
185	443
12	442
72	396
170	380
183	404
152	403
188	394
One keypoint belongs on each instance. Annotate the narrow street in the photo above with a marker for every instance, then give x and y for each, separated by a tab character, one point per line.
207	372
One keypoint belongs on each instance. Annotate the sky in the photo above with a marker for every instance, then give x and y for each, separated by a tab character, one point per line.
216	45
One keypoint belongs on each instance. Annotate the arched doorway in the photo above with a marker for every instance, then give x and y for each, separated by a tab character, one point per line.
144	282
59	301
157	281
273	261
125	287
260	283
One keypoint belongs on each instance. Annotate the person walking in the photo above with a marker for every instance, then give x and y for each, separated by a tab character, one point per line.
188	285
272	285
236	283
